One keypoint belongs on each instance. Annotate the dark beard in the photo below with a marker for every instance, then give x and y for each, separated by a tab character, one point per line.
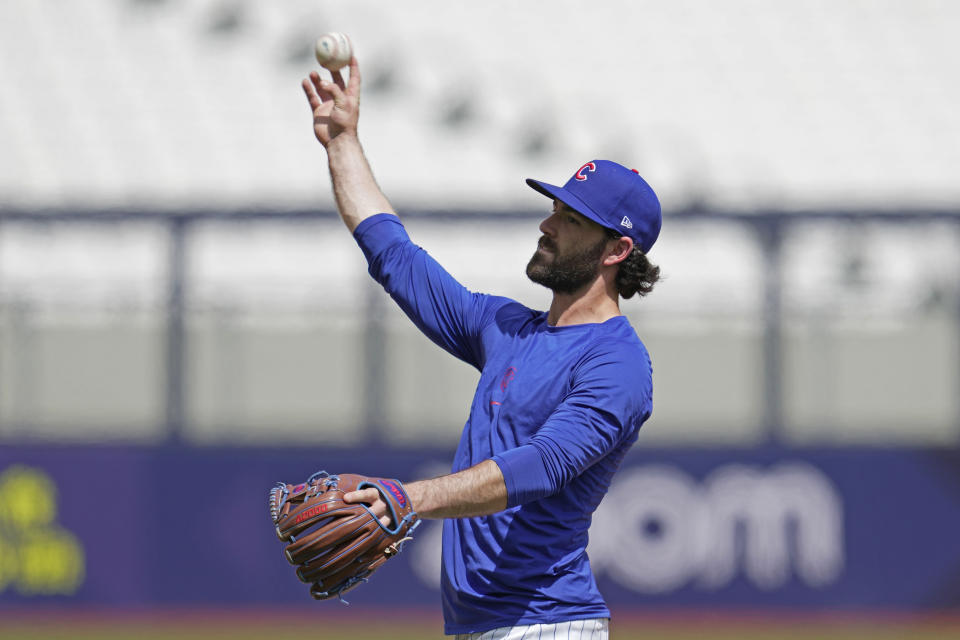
567	273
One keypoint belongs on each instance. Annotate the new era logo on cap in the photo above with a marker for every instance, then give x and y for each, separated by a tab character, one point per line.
613	196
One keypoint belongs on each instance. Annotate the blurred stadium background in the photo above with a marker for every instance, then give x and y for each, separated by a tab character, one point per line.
181	308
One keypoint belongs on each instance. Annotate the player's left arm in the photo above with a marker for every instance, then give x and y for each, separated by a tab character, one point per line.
477	491
609	400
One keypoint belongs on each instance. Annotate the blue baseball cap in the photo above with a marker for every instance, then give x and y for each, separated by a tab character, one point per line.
612	196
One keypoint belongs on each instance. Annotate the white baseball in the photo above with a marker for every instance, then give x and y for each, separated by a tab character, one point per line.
334	51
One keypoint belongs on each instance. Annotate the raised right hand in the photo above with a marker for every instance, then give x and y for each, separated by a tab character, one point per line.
335	105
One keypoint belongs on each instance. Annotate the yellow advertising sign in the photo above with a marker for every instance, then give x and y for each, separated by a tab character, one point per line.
37	556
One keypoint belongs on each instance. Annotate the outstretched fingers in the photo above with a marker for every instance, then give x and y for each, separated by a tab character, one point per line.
312	96
315	90
338	79
353	88
322	87
333	90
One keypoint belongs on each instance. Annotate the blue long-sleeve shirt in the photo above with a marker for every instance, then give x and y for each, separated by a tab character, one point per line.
556	409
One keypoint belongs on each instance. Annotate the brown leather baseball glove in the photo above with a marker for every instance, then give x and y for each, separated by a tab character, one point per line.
336	545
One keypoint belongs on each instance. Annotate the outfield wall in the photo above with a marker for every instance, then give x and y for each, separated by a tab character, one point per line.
735	529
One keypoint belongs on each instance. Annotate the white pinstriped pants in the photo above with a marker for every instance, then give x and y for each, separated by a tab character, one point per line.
591	629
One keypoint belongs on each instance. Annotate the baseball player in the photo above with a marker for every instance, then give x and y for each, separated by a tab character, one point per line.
561	396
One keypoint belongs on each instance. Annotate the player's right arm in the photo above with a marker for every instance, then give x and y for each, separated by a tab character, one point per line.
441	307
336	111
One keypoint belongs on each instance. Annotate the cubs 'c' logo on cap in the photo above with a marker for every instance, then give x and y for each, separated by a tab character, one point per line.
581	172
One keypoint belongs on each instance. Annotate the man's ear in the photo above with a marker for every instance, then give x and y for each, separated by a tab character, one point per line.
618	250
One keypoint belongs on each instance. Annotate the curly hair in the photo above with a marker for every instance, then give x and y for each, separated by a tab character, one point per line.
637	274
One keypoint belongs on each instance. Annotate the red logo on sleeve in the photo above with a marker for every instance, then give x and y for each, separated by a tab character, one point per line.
507	378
